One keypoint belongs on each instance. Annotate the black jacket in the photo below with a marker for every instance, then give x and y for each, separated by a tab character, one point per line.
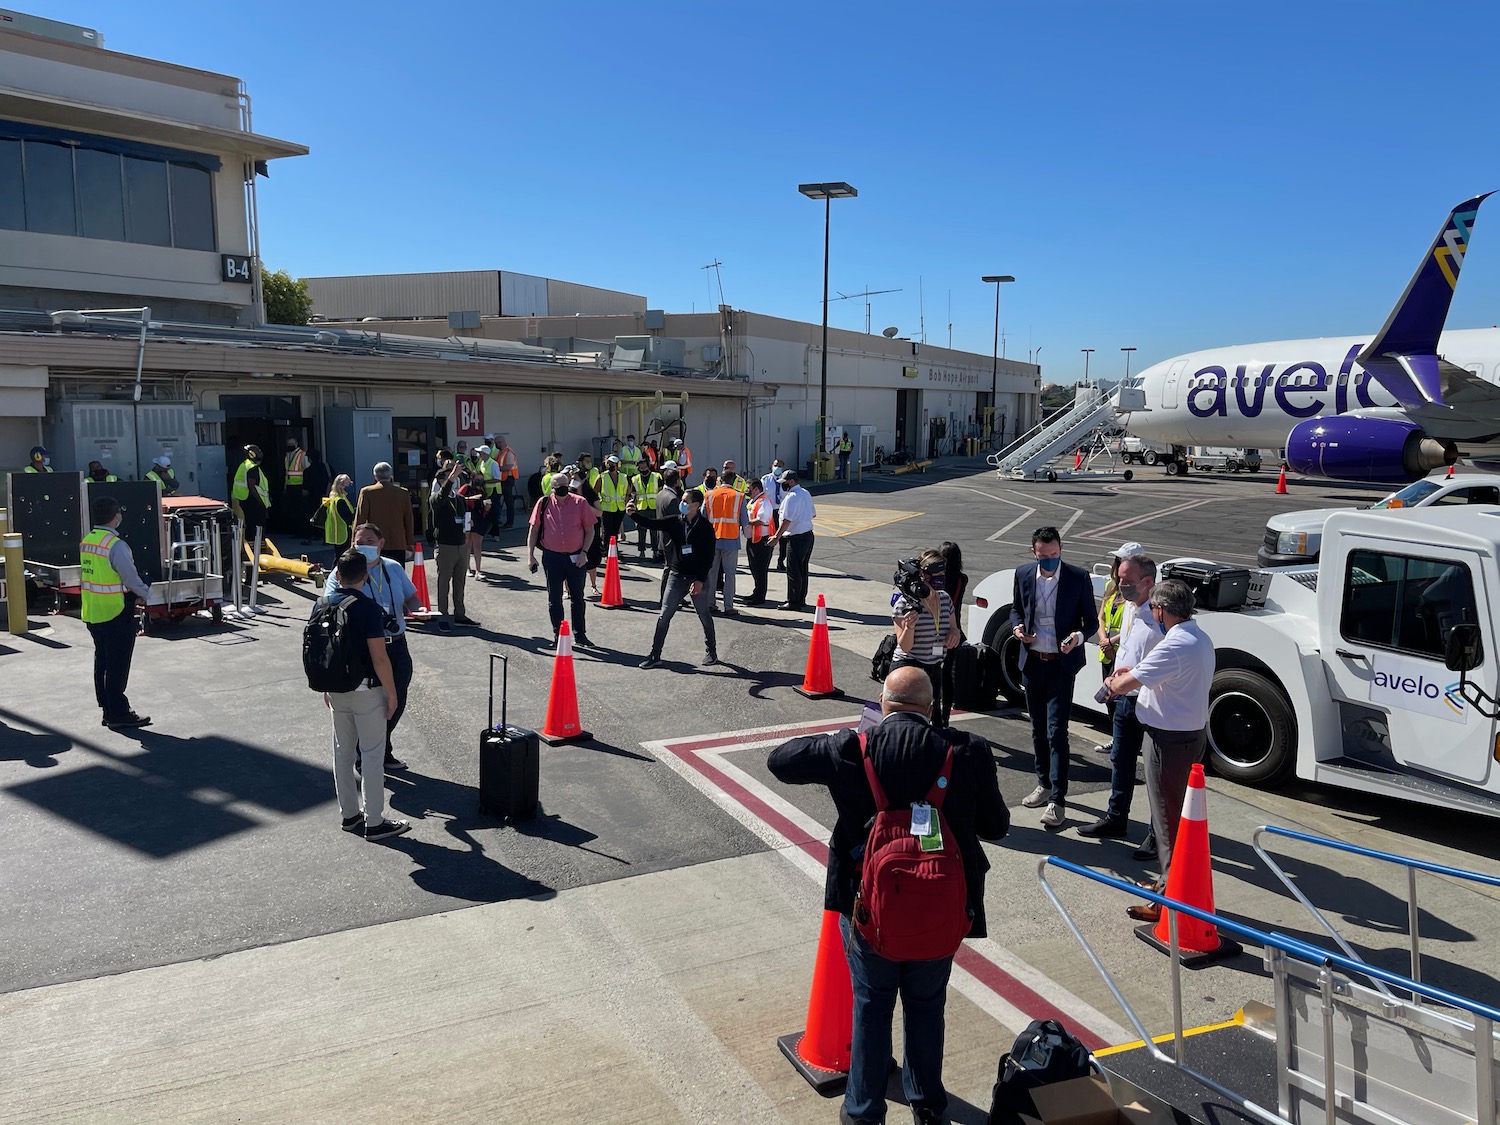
908	753
1075	611
448	519
694	564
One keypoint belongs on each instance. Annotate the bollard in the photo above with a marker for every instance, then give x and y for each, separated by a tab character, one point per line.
15	582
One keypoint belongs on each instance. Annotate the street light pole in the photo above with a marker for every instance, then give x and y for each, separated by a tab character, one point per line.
1127	352
827	193
1086	353
997	280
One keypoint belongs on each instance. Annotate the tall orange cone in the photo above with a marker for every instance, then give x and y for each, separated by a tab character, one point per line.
562	723
1191	880
822	1052
419	579
1450	473
1281	481
817	681
1077	459
612	596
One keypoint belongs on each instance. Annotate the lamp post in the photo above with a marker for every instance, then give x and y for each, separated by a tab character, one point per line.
996	279
827	193
1127	352
1086	353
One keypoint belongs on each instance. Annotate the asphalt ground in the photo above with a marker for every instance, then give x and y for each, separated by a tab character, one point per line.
215	829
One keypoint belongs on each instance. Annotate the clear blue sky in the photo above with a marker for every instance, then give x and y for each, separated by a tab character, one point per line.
1165	175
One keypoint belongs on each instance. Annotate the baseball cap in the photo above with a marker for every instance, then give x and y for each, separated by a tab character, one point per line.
611	460
665	465
40	450
786	475
1128	549
676	443
161	459
481	449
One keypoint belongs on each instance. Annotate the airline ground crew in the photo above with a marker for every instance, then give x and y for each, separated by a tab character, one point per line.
684	458
41	460
844	449
493	487
510	477
644	487
726	511
758	541
586	468
110	586
630	456
554	465
614	491
741	484
295	466
161	473
250	497
98	474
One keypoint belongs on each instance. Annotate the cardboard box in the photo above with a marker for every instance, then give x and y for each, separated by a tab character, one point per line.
1088	1101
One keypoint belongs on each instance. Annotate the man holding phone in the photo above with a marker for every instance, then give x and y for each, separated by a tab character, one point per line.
1051	612
562	524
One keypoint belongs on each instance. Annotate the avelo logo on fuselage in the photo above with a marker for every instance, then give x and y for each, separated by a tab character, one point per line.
1213	392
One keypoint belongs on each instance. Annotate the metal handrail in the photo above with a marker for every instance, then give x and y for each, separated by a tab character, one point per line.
1412	866
1484	1015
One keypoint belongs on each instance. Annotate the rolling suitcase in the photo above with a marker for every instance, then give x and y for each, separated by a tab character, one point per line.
509	759
976	680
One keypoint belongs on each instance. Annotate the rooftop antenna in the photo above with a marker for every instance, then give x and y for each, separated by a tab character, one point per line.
714	265
921	314
950	318
866	293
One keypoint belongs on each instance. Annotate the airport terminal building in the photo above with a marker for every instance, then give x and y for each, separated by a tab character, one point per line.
131	317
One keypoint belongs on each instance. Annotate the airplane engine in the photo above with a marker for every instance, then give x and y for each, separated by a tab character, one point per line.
1366	449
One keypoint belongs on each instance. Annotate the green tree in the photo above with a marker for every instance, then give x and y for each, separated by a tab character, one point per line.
287	299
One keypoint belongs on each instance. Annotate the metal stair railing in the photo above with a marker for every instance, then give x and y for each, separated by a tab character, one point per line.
1043	443
1316	967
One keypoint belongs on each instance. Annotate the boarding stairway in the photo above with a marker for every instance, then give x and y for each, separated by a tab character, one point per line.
1028	455
1391	1049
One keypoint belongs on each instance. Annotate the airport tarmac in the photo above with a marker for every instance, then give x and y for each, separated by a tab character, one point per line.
201	857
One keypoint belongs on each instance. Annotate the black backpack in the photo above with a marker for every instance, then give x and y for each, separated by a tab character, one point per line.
332	656
880	663
1044	1053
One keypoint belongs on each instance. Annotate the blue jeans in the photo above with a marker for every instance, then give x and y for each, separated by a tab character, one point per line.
1049	702
923	988
1123	755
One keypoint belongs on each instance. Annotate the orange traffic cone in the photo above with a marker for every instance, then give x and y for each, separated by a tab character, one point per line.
562	724
817	681
1450	473
1077	460
1190	880
822	1052
1281	481
419	579
612	596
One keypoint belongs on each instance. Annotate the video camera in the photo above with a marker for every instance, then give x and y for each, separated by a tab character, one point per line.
911	586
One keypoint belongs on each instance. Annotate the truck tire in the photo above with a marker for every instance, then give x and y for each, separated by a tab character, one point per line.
998	636
1149	456
1173	468
1252	730
1232	466
1129	474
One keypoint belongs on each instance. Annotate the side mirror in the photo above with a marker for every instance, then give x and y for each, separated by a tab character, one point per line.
1462	652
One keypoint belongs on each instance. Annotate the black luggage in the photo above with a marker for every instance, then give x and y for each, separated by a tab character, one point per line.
976	677
1214	585
1046	1052
509	759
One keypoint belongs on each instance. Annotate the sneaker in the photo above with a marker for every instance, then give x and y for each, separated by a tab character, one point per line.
394	763
257	609
1053	818
581	640
354	823
1036	798
1147	850
1106	827
128	721
651	662
710	660
1102	748
387	829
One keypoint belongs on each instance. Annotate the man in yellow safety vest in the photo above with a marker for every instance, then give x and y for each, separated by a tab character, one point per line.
250	497
41	460
741	484
630	456
109	586
644	488
161	472
614	491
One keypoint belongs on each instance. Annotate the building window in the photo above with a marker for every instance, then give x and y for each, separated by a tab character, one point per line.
56	182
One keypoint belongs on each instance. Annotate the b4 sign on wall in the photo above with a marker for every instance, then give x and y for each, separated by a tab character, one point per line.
1412	686
469	410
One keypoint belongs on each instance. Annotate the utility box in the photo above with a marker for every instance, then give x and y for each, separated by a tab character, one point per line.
358	437
94	430
212	479
169	427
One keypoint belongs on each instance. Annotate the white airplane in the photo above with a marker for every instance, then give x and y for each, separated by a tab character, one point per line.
1389	408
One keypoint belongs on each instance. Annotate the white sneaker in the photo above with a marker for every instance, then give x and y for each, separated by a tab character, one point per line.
1103	748
1052	819
257	609
1036	798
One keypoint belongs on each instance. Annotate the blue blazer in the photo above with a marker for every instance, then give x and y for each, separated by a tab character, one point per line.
1076	611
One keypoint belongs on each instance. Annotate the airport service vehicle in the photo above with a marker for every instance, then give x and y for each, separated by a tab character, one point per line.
1136	449
1295	538
1385	408
1226	459
1345	672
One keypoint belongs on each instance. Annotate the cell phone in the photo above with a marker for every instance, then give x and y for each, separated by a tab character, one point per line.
1102	695
532	568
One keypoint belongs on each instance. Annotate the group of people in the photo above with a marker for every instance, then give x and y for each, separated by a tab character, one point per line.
40	461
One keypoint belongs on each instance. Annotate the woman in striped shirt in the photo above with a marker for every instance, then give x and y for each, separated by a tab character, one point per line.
924	635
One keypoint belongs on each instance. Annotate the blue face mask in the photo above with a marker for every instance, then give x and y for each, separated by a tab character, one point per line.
371	553
1049	565
682	506
1160	624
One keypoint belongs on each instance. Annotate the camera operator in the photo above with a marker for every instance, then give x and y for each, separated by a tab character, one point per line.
926	626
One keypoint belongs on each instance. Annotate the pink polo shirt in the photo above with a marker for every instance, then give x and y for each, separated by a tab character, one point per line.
563	520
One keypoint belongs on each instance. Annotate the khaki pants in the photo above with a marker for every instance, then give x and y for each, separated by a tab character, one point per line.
359	728
451	571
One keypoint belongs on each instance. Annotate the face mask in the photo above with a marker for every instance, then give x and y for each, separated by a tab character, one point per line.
1160	624
1049	566
46	460
371	553
936	581
561	489
1127	591
684	507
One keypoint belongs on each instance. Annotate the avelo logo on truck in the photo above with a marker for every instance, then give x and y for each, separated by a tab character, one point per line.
1400	683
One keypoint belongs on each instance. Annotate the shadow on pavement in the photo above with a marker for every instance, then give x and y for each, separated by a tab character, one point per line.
38	750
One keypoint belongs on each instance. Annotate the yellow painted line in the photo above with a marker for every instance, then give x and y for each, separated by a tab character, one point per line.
840	520
1238	1020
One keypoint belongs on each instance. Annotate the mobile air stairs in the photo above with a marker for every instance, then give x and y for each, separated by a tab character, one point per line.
1391	1049
1028	457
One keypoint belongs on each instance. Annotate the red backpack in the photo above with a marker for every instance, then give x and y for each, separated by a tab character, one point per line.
912	905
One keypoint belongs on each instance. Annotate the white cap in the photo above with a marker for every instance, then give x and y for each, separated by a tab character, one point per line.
1128	549
481	449
665	465
163	460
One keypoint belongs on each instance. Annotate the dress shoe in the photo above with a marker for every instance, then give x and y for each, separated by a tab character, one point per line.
1144	912
650	662
1105	827
1147	850
128	721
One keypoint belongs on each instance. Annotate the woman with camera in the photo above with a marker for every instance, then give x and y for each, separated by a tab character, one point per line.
926	626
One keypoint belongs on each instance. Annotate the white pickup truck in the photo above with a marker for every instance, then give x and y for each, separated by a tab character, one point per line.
1294	538
1374	670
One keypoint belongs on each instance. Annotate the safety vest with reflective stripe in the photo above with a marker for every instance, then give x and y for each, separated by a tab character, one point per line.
34	469
168	484
645	489
100	585
1112	616
612	493
109	478
296	465
684	459
335	529
241	490
741	485
509	470
724	512
630	457
487	470
760	509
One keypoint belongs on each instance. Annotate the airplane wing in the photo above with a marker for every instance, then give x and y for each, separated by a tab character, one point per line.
1403	355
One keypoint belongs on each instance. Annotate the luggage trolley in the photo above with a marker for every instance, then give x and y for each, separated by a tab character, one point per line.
194	530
